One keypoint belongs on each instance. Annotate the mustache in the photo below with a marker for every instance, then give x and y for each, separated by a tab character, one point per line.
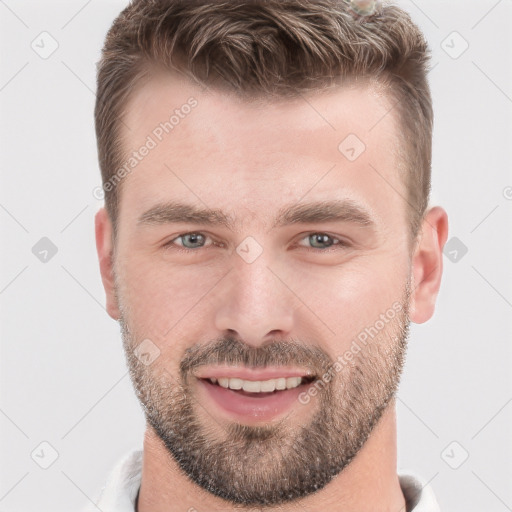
231	351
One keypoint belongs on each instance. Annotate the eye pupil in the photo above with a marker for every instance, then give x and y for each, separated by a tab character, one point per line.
193	238
322	239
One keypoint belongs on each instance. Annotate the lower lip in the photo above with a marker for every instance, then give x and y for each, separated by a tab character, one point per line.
259	407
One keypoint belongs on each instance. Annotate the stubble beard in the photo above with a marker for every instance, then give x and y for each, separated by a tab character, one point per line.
283	461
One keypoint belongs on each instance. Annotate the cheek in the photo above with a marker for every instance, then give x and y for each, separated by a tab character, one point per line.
352	297
163	300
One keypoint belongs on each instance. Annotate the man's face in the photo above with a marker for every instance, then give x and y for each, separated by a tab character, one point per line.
267	296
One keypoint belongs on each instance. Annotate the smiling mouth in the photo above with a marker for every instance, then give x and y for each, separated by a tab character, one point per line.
259	388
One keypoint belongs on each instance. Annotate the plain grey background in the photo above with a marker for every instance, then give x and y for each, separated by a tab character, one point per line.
64	382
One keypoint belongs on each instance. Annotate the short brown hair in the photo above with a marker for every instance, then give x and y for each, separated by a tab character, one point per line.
276	48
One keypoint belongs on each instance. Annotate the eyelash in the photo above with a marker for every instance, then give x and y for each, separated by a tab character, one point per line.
340	243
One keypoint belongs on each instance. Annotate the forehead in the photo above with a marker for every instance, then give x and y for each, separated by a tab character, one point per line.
212	147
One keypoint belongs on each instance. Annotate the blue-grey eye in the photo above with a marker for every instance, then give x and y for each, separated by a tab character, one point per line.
322	239
194	239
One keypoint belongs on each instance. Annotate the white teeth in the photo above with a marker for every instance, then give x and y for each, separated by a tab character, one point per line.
253	387
236	383
293	382
281	383
268	385
223	382
258	386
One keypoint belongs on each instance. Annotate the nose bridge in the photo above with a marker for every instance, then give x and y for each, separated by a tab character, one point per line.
255	287
254	302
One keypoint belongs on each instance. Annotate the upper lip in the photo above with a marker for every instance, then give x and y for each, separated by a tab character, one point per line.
240	372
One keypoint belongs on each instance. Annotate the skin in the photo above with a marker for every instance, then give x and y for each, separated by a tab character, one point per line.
250	160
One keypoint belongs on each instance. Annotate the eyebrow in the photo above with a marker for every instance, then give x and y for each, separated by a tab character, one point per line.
346	210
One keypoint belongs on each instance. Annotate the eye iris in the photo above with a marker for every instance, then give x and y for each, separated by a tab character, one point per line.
192	237
321	239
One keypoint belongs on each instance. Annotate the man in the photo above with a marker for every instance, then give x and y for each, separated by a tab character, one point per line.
265	242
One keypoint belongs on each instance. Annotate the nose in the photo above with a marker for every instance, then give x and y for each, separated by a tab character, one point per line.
254	303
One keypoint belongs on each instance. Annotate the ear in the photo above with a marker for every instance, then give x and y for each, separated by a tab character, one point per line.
427	264
104	247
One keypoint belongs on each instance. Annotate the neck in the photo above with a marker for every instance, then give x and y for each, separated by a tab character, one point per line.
370	482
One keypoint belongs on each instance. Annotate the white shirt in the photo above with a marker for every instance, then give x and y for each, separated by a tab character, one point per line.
121	488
